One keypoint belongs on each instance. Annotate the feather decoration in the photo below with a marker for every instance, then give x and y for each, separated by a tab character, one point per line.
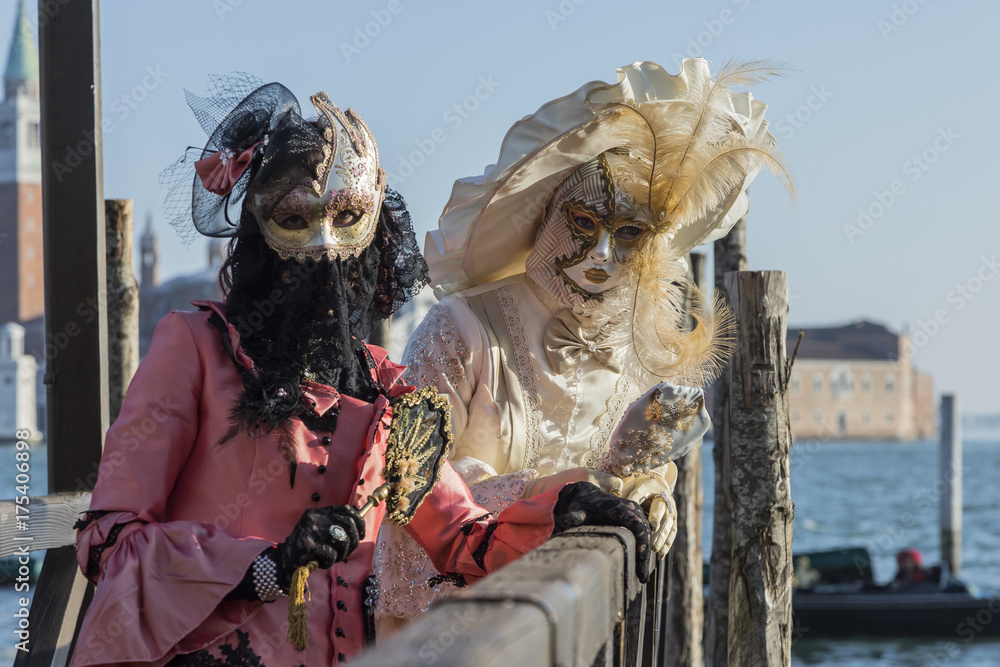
688	158
654	340
695	152
701	154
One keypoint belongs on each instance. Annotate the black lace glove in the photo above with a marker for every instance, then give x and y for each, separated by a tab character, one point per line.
326	535
583	504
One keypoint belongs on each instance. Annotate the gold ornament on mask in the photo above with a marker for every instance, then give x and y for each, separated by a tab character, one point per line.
336	213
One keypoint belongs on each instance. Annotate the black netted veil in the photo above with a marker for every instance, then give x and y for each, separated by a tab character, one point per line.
239	112
399	273
305	320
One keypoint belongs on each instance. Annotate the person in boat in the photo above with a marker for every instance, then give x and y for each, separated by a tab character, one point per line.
910	570
254	428
560	334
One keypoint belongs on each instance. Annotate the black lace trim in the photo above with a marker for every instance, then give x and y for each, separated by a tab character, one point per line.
469	525
369	601
97	550
365	355
453	577
239	656
479	555
89	518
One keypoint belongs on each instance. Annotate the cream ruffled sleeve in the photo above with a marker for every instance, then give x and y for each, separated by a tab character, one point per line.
451	351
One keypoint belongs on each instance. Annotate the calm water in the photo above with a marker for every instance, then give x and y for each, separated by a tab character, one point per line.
846	494
38	487
876	495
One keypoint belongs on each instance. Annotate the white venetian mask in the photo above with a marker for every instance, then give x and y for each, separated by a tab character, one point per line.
334	215
593	227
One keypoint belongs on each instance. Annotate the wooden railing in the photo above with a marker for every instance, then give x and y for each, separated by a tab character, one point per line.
574	602
49	525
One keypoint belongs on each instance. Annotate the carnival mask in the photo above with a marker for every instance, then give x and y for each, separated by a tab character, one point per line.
594	224
335	213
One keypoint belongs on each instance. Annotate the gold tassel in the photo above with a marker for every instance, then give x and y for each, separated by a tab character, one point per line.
298	616
297	613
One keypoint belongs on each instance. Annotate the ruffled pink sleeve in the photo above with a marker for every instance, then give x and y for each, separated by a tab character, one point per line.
461	538
160	583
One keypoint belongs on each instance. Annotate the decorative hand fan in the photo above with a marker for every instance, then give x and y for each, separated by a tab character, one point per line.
419	439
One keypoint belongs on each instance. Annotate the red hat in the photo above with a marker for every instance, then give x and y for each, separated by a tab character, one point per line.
912	553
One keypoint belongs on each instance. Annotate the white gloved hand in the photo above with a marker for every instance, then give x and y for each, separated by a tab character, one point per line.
654	492
605	481
662	517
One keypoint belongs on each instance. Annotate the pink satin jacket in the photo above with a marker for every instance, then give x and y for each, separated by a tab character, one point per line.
186	517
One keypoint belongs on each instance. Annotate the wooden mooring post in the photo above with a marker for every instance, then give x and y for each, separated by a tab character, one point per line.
730	255
123	302
760	582
951	482
75	300
685	619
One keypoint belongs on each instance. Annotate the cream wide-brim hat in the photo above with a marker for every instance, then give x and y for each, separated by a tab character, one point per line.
489	224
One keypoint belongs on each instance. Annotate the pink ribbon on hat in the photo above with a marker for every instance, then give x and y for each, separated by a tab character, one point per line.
220	170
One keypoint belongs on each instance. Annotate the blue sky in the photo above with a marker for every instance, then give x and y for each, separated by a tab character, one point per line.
884	121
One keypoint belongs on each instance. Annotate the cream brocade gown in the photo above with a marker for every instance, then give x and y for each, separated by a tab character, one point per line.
515	417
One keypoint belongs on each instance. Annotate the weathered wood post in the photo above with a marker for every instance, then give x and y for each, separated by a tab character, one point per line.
76	364
685	621
730	255
760	583
951	482
123	302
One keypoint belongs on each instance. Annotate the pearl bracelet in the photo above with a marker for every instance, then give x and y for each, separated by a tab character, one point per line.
265	579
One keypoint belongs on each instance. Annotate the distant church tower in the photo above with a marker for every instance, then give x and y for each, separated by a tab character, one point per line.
21	274
149	249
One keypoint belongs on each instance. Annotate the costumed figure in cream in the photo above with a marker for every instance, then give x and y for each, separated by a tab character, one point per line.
559	335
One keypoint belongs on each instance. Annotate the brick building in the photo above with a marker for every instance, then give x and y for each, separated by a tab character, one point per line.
858	382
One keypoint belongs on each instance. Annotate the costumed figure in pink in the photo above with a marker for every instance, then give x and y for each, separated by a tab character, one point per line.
270	415
560	334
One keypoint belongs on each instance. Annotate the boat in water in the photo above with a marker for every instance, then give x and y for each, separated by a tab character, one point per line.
835	595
